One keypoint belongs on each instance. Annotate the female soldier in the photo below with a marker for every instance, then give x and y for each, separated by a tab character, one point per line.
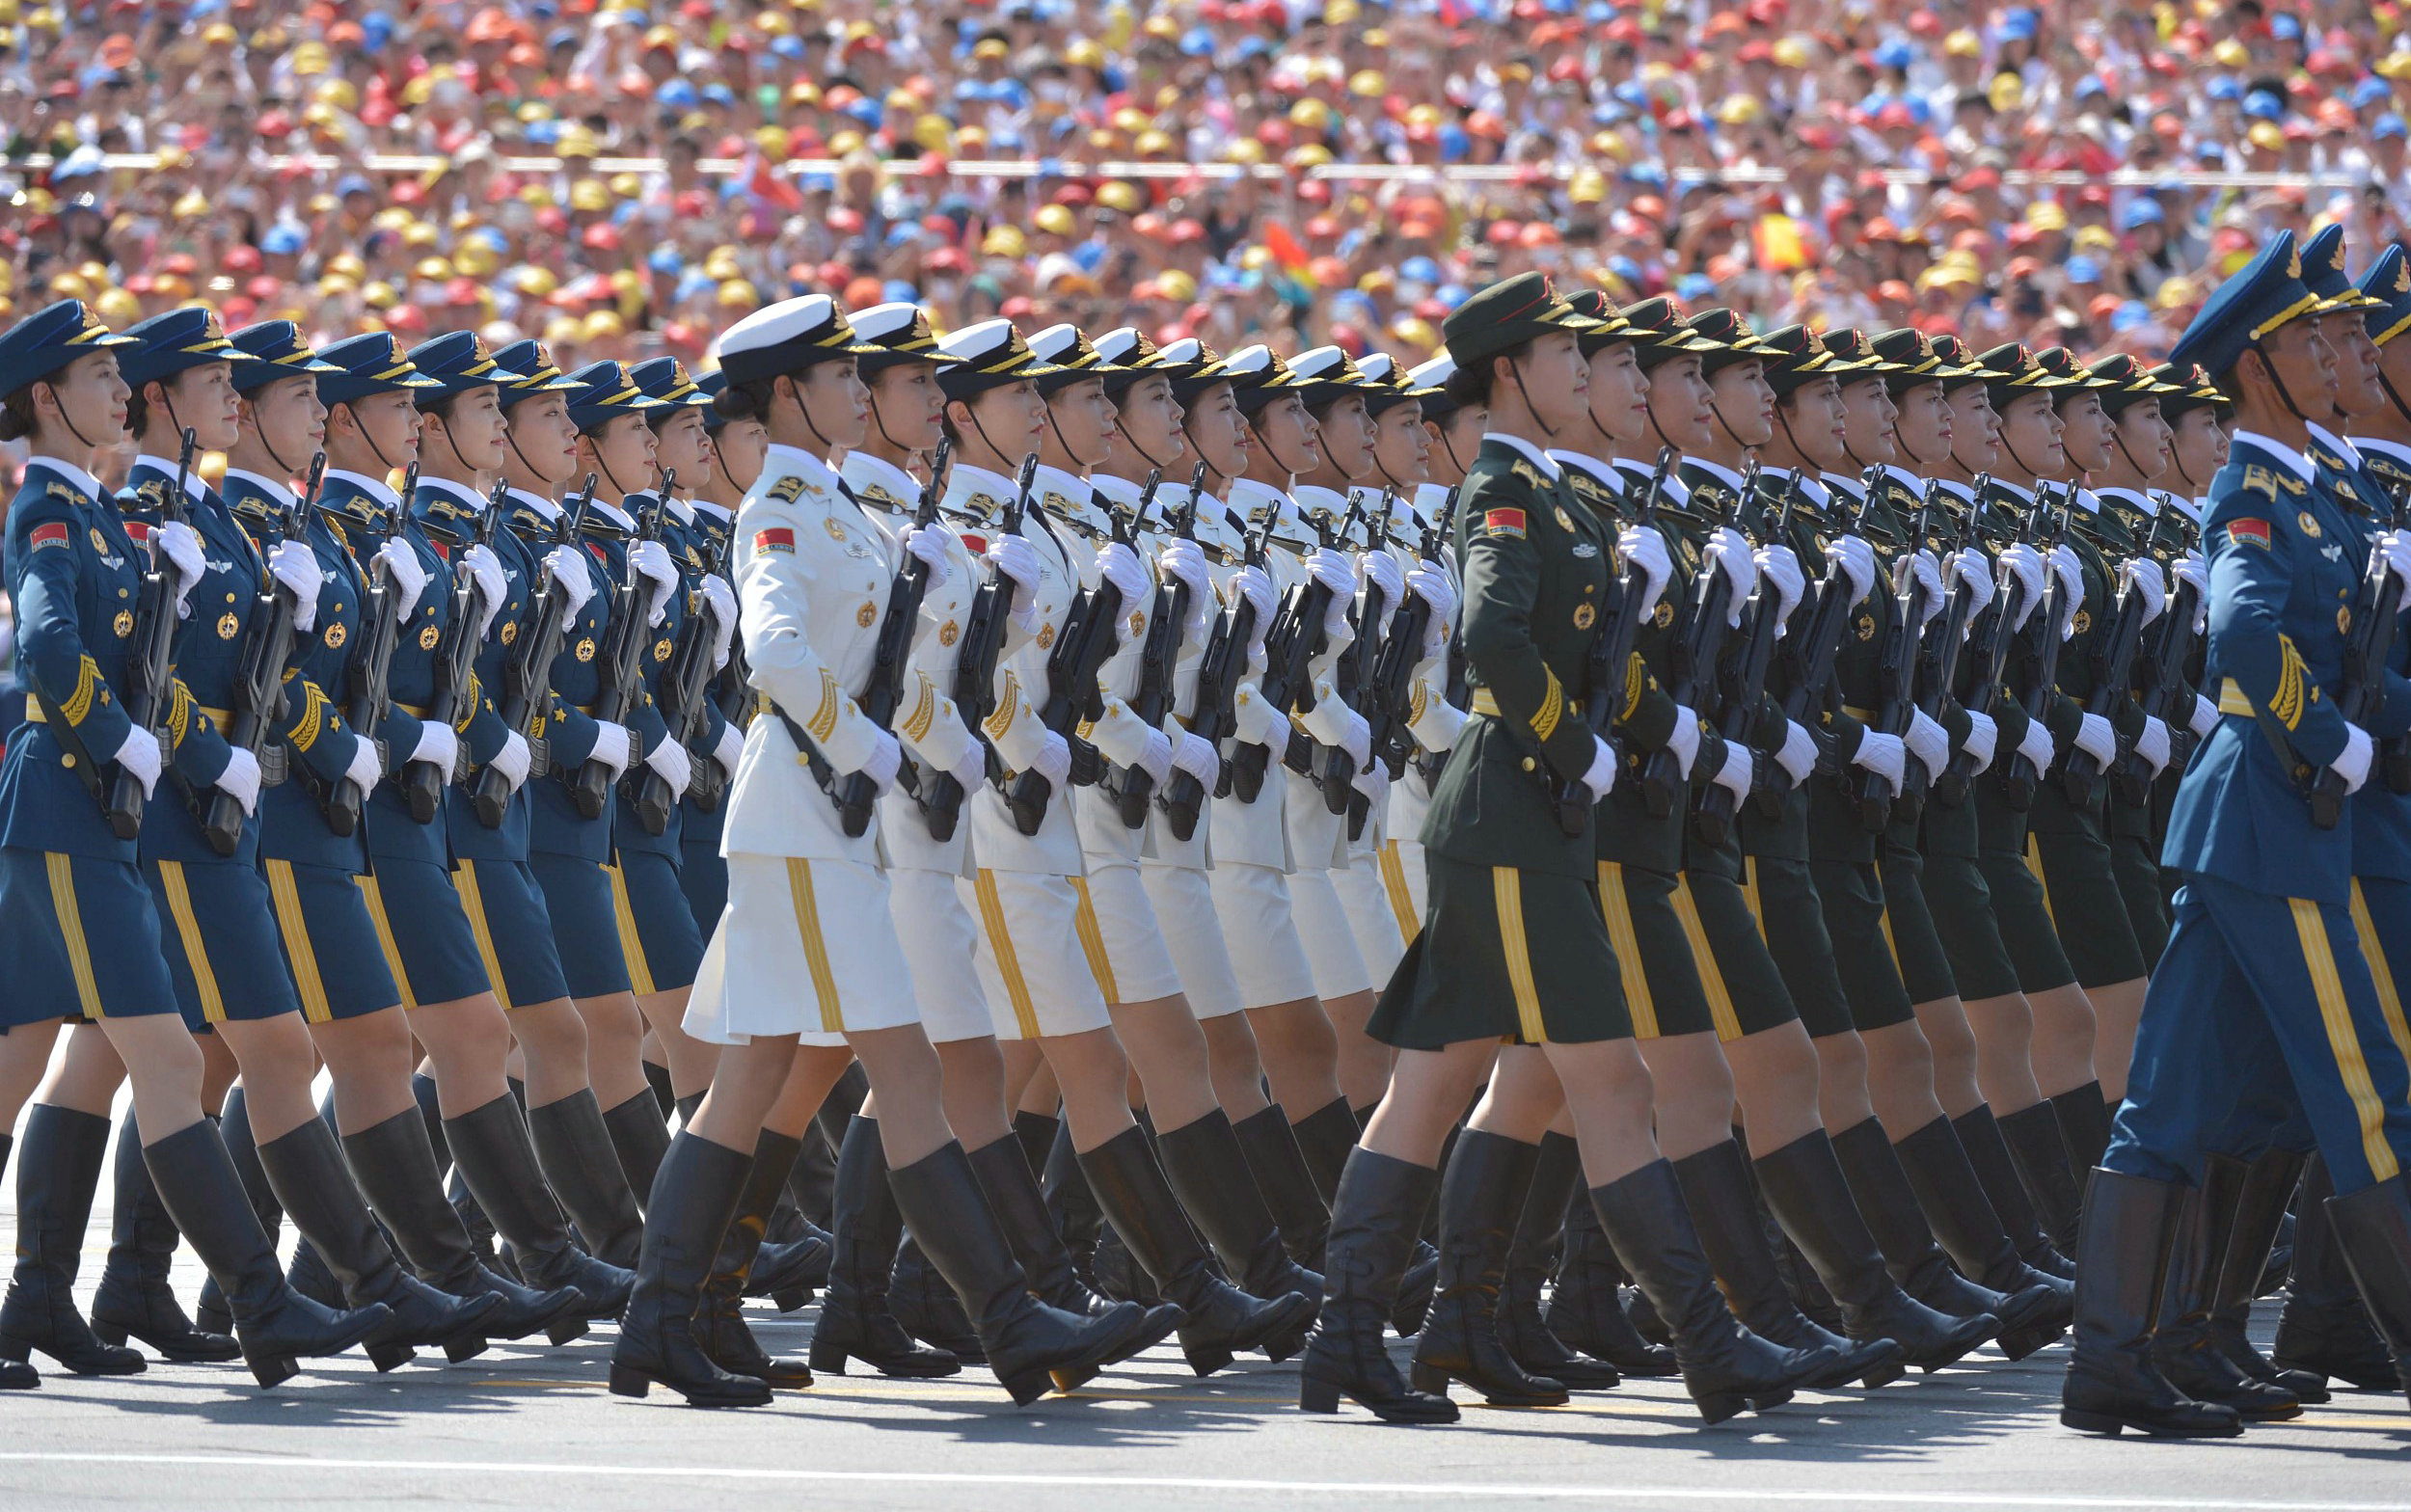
737	447
68	877
1535	572
804	971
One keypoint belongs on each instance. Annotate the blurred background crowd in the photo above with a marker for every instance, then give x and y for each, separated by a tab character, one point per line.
626	179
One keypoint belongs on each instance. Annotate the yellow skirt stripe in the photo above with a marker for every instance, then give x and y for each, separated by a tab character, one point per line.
2388	1001
1000	944
472	904
1749	893
631	943
1711	976
62	870
2034	864
1884	920
2342	1041
295	929
385	935
1507	885
1401	897
807	906
1616	907
188	930
1093	941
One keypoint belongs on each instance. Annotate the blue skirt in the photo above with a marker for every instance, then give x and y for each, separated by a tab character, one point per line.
423	931
217	926
80	940
513	928
656	927
331	945
586	924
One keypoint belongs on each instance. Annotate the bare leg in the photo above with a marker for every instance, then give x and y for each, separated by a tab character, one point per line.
1365	1061
2117	1010
1301	1055
553	1038
2063	1038
369	1058
616	1047
1694	1088
1952	1043
1842	1099
1900	1076
691	1061
1167	1050
1236	1066
1776	1081
2004	1032
467	1043
1429	1092
975	1091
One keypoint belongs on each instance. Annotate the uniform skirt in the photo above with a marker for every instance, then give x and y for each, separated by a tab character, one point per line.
1184	909
2080	894
1330	939
339	966
217	928
1851	896
1665	991
1403	879
1252	902
657	937
939	938
424	931
577	904
703	876
80	936
1041	957
1137	964
1908	927
2023	912
1504	955
1373	911
513	930
807	947
1791	917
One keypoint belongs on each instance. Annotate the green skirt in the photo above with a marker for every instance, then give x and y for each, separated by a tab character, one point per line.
1505	954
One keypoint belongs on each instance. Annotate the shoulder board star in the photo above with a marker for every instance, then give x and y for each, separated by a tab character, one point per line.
2257	479
787	489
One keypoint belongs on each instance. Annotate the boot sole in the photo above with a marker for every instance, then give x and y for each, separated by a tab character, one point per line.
272	1368
832	1359
2111	1424
22	1350
629	1381
2019	1342
1951	1351
1288	1314
1433	1381
1322	1396
173	1354
1716	1406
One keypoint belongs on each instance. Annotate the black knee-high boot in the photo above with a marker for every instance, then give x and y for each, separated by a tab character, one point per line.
15	1375
134	1299
2263	1208
2324	1330
657	1078
2122	1273
1963	1218
2182	1346
719	1323
855	1323
1208	1172
2084	1124
276	1324
1003	1168
2373	1230
1996	1168
1372	1229
1073	1205
1481	1194
1540	1219
210	1315
641	1139
2035	1143
580	1162
1036	1133
1287	1186
495	1152
693	1199
58	1172
1586	1308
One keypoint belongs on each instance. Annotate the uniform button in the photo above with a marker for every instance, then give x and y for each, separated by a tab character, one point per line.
1530	763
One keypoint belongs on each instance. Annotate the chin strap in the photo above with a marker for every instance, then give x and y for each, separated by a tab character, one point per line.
65	421
1515	368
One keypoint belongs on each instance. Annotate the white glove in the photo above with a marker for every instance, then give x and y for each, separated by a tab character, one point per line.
2038	746
295	568
1356	737
880	765
407	574
1184	562
2394	547
732	749
651	561
2190	569
1251	585
1780	567
1971	568
1927	573
1053	760
1373	781
1256	722
1983	735
181	544
1120	566
2144	576
363	769
1684	740
493	591
2069	568
1734	775
1017	558
1196	755
1154	756
1799	756
438	746
1336	571
1927	739
1728	553
1642	547
2152	745
613	745
568	567
968	773
1884	755
2352	764
2096	738
513	758
935	545
1856	560
2023	563
1433	586
240	781
1382	571
676	767
2205	717
719	601
1600	779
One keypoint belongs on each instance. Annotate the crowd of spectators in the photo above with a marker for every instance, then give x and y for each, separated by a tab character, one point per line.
625	178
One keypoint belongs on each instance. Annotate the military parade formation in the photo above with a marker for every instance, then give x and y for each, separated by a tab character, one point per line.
1638	847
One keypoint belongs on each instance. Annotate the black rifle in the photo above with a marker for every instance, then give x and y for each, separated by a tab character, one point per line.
1453	689
1938	673
150	691
2363	686
1390	700
370	691
455	669
1746	676
624	644
1158	656
1896	675
1987	647
1297	637
527	676
2165	695
2113	671
1604	669
2019	778
855	793
975	666
1699	638
2394	754
1810	662
1213	713
1347	681
686	703
260	670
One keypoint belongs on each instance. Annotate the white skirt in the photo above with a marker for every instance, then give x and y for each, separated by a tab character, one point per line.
1373	914
1192	931
805	947
1138	966
1322	923
943	944
1040	959
1260	929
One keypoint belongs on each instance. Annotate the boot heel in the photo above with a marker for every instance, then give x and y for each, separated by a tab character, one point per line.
1026	1386
628	1381
272	1369
790	1300
1316	1396
109	1333
15	1349
459	1350
391	1357
1429	1378
567	1331
2107	1424
1881	1375
1759	1404
828	1358
2019	1343
1069	1381
1207	1359
1718	1405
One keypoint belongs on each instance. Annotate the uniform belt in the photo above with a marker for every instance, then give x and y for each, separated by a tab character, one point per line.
223	718
415	710
1487	703
1862	716
2231	699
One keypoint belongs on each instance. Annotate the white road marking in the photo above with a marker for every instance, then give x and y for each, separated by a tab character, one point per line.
1485	1490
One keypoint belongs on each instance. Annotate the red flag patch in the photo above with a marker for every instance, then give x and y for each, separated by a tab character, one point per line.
52	534
138	532
977	545
778	540
1503	521
443	551
2248	532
